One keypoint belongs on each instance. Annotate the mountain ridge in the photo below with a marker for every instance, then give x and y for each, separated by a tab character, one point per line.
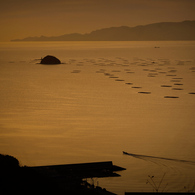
163	31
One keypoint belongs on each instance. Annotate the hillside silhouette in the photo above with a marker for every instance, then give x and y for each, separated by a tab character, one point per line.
164	31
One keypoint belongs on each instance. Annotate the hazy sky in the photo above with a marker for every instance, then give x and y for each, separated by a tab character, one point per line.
23	18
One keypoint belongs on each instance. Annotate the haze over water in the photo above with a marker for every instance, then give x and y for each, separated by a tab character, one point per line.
106	97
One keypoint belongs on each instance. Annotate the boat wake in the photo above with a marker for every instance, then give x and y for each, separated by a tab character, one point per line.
179	173
146	157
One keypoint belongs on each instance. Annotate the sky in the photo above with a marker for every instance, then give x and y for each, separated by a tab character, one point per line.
24	18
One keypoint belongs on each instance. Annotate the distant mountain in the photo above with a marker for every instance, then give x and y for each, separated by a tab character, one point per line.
164	31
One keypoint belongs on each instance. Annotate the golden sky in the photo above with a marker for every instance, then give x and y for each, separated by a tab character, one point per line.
24	18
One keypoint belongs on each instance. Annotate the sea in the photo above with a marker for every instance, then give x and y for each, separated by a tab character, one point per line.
105	98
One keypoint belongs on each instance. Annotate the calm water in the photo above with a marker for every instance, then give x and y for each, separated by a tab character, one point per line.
89	108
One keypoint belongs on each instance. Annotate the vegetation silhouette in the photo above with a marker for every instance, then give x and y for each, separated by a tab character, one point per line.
31	180
156	187
21	180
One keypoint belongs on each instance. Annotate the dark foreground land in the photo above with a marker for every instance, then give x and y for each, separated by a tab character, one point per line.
55	179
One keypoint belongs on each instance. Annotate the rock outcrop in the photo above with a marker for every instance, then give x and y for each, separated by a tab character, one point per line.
50	60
